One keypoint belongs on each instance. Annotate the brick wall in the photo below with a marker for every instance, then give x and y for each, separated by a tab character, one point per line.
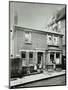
38	41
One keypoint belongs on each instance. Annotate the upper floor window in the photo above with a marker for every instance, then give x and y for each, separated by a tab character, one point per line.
49	39
52	40
55	40
27	37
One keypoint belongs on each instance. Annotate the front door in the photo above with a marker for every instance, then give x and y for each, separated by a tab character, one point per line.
52	57
40	57
52	60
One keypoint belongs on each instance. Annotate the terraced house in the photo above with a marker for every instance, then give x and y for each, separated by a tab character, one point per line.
58	23
38	50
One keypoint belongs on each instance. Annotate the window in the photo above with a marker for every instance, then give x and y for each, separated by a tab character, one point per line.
57	55
55	40
30	54
49	40
30	57
57	58
27	37
23	55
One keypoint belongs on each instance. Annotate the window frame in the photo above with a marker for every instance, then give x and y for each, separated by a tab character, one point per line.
57	42
49	42
29	55
28	38
23	52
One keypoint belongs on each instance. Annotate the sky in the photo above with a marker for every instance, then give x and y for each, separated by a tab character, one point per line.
32	15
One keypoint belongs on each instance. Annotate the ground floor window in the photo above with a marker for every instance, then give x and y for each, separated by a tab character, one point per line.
58	58
30	54
55	57
23	56
30	57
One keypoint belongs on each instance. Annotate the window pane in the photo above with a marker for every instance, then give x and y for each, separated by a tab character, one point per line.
57	58
55	40
57	55
49	41
28	37
30	54
23	55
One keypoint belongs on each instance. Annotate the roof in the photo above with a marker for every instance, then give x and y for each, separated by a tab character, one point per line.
61	14
37	30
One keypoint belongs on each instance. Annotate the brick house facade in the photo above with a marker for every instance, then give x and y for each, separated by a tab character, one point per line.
37	48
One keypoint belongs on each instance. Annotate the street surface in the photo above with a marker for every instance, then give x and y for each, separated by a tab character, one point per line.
59	80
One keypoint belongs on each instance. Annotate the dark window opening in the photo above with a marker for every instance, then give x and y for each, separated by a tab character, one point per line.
57	55
23	55
39	57
30	54
52	57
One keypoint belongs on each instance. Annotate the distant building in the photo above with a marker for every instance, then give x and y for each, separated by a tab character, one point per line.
61	19
58	24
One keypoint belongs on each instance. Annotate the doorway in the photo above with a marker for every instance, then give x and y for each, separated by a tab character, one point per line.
52	57
40	59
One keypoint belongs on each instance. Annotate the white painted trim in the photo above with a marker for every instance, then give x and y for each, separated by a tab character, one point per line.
36	50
